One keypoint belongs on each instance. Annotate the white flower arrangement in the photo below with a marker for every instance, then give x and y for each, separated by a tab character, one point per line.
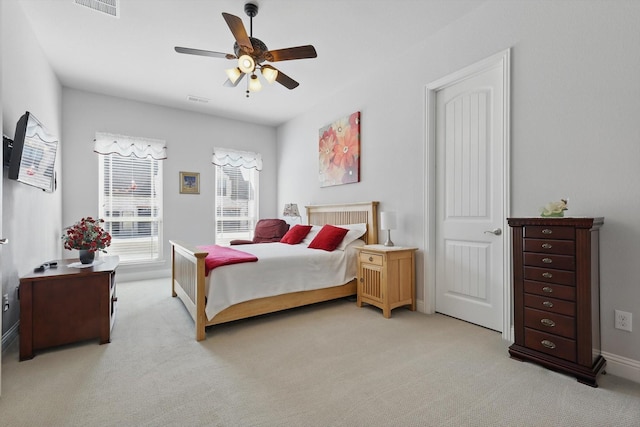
554	209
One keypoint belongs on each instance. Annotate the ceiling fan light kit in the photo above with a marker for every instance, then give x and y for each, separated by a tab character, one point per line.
234	74
246	64
269	73
251	53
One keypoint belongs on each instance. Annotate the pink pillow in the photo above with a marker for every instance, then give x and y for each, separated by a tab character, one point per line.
328	238
296	234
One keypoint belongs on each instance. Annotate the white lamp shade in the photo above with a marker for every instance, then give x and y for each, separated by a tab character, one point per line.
254	83
234	74
291	209
388	220
269	73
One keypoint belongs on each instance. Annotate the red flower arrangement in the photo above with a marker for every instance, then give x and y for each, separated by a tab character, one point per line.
87	234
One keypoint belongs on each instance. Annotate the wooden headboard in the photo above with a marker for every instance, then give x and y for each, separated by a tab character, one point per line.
347	213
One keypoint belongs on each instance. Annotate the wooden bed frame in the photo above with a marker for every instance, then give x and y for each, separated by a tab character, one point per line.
188	273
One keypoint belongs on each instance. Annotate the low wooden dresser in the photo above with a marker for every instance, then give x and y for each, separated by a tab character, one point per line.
556	293
64	305
386	277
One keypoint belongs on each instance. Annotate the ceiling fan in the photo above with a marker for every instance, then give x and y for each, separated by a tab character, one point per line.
252	54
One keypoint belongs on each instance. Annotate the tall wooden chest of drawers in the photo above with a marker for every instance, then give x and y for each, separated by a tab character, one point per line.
556	293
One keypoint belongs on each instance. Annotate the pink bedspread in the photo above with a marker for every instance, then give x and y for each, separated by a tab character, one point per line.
223	255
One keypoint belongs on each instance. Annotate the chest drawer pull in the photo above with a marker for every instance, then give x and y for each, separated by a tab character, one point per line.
547	245
547	289
547	275
547	231
548	344
370	258
548	304
547	260
548	322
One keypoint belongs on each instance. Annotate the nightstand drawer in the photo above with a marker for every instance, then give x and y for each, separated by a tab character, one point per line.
550	275
563	247
552	323
370	258
553	305
549	232
551	290
562	262
550	344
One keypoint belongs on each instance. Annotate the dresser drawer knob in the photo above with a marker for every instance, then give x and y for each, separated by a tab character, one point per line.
547	231
370	259
547	260
547	245
548	304
548	344
547	289
548	322
547	275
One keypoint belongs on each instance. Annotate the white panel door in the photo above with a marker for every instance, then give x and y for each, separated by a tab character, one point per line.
469	199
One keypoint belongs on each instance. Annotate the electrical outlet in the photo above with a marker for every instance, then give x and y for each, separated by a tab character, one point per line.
5	302
623	320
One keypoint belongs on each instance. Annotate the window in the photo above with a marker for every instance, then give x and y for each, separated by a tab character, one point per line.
130	201
236	200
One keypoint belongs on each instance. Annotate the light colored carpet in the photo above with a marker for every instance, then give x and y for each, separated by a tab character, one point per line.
331	364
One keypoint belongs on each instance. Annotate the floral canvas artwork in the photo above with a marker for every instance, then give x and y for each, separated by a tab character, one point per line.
339	151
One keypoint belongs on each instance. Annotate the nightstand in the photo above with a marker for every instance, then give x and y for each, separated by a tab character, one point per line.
65	305
386	277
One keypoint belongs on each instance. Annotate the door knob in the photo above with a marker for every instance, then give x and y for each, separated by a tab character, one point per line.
497	231
4	241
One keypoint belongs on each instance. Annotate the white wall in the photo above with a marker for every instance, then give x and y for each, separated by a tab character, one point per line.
575	130
31	217
190	140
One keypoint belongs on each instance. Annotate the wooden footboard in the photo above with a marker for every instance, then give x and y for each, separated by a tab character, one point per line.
188	272
187	282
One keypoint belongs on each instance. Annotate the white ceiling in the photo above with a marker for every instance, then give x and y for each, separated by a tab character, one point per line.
132	56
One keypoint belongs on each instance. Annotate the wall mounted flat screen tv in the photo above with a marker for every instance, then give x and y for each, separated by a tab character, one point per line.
33	155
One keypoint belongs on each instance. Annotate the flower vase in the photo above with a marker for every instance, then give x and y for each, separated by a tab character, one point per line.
87	256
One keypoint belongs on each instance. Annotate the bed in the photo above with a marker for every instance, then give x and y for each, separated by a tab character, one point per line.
189	282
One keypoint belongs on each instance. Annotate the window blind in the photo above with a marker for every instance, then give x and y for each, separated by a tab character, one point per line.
131	204
236	201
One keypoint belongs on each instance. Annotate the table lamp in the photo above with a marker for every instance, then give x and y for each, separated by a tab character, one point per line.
291	209
388	222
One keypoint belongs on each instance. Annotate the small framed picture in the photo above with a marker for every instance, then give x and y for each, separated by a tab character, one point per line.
189	182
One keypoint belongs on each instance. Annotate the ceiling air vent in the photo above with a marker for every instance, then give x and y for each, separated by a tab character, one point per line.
199	99
109	7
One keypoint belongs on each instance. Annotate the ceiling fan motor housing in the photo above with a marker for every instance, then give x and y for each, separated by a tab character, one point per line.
260	51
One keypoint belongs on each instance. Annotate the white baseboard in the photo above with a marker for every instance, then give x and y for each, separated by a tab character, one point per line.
622	367
10	336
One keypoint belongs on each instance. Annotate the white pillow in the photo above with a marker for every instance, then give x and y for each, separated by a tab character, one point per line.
355	232
312	233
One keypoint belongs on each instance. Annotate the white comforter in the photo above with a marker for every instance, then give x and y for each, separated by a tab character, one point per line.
280	269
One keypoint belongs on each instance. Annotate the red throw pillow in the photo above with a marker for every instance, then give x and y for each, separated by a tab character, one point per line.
328	238
296	234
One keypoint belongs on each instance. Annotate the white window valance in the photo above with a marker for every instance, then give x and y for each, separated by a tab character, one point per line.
229	157
108	143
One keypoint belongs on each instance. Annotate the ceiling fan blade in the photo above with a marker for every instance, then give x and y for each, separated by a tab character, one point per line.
228	83
299	52
239	32
286	81
190	51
